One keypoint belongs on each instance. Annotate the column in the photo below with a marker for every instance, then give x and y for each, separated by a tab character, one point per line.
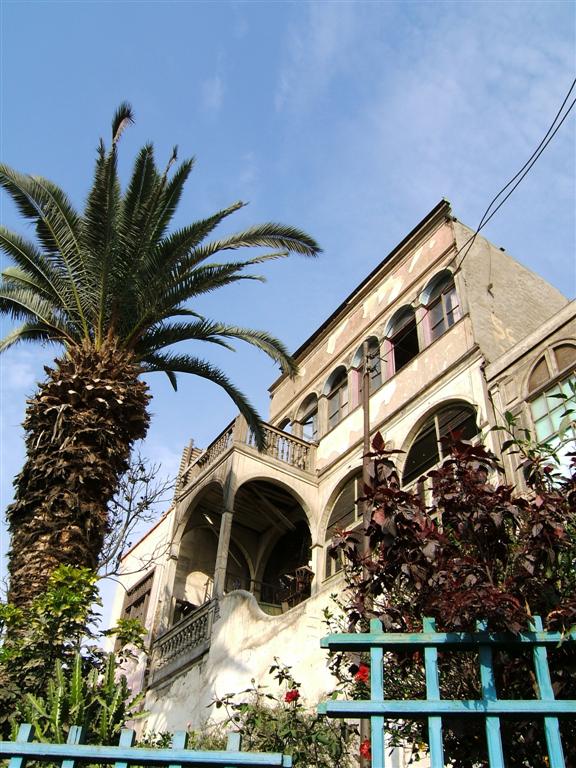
222	553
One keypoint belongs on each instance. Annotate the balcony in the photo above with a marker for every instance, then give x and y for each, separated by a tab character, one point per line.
281	447
189	639
183	644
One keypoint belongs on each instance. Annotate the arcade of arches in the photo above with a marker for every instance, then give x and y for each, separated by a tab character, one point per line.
268	552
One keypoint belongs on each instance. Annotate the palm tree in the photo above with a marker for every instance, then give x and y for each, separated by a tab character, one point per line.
113	287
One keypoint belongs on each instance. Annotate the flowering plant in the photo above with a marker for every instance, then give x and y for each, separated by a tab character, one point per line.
292	695
366	749
363	674
280	722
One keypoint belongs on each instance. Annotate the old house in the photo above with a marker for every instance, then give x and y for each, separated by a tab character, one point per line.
237	572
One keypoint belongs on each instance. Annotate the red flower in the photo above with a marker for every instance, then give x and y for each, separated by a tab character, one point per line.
363	674
365	749
292	695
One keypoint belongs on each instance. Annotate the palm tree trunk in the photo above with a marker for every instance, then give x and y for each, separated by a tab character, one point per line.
80	427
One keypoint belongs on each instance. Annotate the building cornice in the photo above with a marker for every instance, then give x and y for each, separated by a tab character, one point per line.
429	223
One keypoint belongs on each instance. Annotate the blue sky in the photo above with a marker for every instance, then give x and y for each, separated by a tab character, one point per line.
348	119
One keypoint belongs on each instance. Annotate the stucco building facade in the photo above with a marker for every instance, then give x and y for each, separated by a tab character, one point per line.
237	572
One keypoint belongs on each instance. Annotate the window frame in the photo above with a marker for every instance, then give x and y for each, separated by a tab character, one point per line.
338	393
356	376
545	389
137	599
333	566
447	288
308	414
392	334
432	420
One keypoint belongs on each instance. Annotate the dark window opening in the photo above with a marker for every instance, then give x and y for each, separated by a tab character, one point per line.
345	515
443	308
287	576
338	399
405	343
426	451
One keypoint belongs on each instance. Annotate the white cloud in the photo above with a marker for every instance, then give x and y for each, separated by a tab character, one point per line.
452	104
213	93
315	56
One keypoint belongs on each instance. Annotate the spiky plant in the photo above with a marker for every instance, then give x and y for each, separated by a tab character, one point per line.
113	287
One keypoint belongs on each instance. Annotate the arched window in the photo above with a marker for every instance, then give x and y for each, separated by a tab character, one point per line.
285	425
308	418
442	305
345	514
402	340
374	368
551	382
426	450
337	396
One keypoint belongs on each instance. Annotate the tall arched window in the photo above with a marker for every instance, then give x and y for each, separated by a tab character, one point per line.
426	450
402	340
551	382
308	418
337	396
345	514
442	305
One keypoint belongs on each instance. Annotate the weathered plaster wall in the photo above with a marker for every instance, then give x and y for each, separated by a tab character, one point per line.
506	301
422	375
150	553
398	284
244	643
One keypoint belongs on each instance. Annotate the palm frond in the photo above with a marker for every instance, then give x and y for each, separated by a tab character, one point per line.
167	334
177	245
100	235
172	192
16	276
269	235
123	117
26	256
143	178
27	332
164	335
163	301
198	367
57	227
25	304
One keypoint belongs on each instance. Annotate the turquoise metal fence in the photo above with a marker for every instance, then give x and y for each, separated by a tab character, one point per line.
489	707
74	753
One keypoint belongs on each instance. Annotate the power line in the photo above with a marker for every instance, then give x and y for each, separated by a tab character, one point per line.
521	174
518	178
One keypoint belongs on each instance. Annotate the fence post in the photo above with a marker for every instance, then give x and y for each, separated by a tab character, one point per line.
25	734
433	694
546	693
492	724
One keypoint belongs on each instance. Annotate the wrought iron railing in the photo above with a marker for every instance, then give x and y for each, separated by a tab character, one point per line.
490	708
182	644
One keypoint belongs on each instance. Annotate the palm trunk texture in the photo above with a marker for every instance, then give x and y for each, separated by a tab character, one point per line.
80	427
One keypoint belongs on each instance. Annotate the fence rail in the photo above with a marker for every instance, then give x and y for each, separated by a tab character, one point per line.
75	753
489	707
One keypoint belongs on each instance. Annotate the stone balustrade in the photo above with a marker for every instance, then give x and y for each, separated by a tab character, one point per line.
280	445
182	644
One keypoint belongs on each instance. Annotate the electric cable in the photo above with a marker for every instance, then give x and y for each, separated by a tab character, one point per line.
518	178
